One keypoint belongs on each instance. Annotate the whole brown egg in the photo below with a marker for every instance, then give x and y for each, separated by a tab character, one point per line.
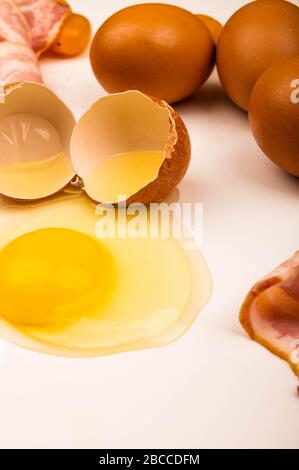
274	114
161	50
255	37
213	25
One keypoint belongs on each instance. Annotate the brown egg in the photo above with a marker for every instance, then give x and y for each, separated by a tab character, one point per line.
255	37
161	50
274	114
214	26
73	37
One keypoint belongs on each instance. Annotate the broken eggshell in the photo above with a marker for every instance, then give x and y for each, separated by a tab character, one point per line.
132	122
115	124
270	312
30	112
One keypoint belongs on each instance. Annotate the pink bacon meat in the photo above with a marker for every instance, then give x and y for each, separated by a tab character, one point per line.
18	61
270	312
45	18
13	25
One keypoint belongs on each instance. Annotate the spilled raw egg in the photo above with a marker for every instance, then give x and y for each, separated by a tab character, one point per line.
67	289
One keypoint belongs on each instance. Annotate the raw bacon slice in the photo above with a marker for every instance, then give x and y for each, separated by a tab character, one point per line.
13	25
45	18
18	63
270	313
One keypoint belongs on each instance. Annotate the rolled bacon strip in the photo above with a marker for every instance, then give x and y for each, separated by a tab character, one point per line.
45	19
18	63
270	312
13	25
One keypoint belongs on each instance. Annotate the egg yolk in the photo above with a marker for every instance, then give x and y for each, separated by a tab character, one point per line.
73	37
52	277
123	174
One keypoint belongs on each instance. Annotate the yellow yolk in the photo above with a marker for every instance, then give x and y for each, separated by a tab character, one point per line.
53	276
32	160
123	174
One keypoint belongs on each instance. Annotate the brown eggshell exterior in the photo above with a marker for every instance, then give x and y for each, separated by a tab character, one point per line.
274	118
161	50
76	49
173	168
255	37
214	26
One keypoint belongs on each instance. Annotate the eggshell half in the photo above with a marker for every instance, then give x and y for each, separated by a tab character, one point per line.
126	122
37	100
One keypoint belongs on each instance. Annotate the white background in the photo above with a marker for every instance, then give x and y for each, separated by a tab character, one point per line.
214	387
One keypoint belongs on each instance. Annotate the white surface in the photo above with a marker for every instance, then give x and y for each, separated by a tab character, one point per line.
214	387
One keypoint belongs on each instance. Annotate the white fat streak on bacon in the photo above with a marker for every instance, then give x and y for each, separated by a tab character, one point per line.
278	331
13	25
18	63
45	18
